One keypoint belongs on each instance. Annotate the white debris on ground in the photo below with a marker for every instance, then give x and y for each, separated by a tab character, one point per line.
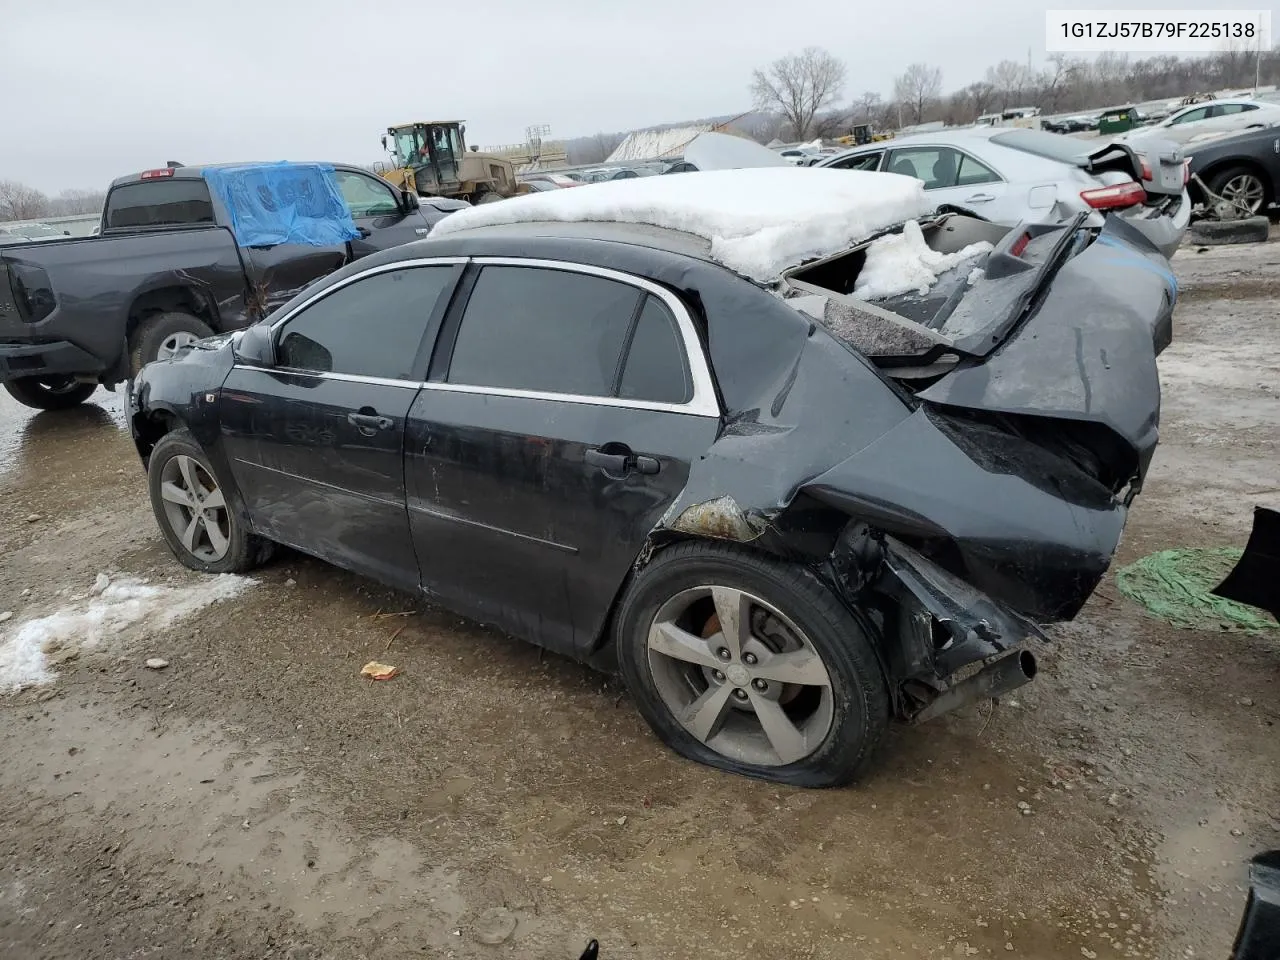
759	221
903	262
113	605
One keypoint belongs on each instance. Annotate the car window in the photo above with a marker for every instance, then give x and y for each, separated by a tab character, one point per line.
936	166
159	203
1191	116
973	172
656	368
370	328
366	196
1225	109
861	161
531	328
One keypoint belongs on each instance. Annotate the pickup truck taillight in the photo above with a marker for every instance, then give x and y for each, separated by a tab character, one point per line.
1118	195
32	292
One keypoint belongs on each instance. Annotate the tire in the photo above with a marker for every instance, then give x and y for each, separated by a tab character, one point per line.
853	708
1241	181
1218	232
177	461
50	393
160	335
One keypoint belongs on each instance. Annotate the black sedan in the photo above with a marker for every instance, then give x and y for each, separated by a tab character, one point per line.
595	437
1243	169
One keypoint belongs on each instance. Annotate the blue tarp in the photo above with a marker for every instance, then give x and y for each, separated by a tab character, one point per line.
272	203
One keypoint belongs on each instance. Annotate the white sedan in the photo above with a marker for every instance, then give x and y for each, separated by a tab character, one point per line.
1009	175
1211	119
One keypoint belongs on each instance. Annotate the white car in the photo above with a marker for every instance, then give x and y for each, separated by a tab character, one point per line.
1213	118
1010	175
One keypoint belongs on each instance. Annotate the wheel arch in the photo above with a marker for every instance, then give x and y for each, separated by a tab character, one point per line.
176	298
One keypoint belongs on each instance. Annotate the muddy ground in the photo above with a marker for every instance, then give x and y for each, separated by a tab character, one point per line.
257	798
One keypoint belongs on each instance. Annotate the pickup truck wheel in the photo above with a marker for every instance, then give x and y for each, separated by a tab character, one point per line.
198	517
50	393
161	335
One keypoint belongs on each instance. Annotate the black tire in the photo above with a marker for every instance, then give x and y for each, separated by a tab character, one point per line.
244	551
1219	232
151	334
1222	178
843	641
50	393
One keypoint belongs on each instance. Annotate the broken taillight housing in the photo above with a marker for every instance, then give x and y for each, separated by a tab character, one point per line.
1019	245
1146	168
1117	195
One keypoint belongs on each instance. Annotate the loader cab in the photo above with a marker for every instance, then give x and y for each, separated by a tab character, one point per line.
433	151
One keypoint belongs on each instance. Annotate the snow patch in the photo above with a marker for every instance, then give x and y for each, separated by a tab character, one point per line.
760	222
114	604
976	274
903	263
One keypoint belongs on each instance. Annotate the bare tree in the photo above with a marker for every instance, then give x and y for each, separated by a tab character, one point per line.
868	106
73	201
1007	78
20	202
798	86
919	86
1063	72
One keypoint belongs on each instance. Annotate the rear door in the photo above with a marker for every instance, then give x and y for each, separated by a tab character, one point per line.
316	443
563	408
958	178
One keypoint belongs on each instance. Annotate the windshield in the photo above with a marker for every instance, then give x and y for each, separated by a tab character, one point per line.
1054	146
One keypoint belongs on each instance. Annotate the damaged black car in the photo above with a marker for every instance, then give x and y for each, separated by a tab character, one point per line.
785	510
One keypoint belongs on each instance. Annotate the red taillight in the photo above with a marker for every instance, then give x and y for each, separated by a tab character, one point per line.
152	174
1146	169
1020	244
1120	195
1186	172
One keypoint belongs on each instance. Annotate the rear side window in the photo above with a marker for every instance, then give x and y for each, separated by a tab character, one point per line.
936	166
656	369
973	172
159	203
553	331
863	161
371	328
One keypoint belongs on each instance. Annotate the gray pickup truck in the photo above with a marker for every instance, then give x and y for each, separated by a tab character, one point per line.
164	270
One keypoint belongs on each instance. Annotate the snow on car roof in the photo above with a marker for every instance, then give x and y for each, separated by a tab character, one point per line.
759	222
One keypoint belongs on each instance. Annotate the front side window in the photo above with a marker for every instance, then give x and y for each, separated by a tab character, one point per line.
366	196
862	161
371	328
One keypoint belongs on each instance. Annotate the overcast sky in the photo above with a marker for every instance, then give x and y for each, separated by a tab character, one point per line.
97	88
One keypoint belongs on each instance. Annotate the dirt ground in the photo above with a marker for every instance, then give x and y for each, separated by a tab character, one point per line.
258	799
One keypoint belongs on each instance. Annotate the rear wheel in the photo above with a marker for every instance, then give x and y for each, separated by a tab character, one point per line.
161	335
50	393
195	513
751	665
1242	187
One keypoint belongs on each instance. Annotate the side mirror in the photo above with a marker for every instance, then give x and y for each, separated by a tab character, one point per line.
462	129
411	201
255	347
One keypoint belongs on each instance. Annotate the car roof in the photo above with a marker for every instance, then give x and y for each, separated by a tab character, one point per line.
196	171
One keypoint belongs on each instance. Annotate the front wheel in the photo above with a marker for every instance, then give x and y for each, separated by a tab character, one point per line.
752	665
50	393
195	514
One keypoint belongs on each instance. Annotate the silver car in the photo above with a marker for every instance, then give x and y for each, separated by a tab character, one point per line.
1009	175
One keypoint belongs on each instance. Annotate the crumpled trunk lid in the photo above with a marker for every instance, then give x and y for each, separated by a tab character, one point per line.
1084	354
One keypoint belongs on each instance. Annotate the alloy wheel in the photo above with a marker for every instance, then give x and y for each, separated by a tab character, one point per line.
195	508
1245	192
740	676
174	342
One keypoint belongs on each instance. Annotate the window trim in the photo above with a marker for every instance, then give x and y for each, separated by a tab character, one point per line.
703	403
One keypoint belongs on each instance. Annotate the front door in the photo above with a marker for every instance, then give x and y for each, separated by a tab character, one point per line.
954	177
557	426
378	212
316	442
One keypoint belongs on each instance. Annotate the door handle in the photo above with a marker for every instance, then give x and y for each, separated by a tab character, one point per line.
616	459
979	198
369	423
